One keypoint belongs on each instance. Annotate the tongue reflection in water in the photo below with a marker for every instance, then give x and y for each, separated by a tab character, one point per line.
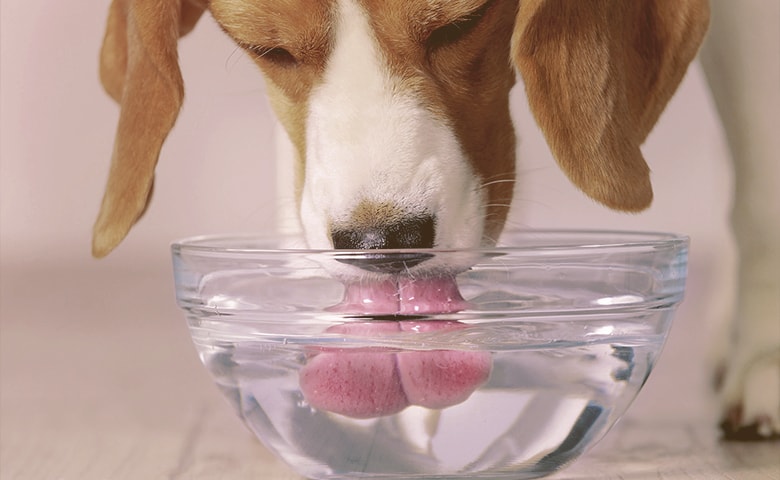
374	381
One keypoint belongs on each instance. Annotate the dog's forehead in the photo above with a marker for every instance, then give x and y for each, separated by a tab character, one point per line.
422	11
299	10
287	17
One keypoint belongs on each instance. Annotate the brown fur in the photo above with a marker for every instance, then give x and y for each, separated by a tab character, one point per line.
598	74
139	69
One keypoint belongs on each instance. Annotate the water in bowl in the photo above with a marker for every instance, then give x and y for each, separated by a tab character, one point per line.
555	386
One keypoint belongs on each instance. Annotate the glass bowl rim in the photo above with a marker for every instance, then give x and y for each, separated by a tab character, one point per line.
581	240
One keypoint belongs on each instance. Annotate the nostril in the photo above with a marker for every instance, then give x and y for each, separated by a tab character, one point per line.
410	233
417	232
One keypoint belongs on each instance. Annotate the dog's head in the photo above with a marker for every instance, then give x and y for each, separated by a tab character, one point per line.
398	109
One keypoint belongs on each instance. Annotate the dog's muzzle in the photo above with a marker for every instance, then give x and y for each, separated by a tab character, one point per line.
414	232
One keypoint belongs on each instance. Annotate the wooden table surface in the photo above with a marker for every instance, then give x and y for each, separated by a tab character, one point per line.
100	381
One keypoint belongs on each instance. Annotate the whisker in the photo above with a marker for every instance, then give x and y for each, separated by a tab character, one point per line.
504	205
494	182
500	175
233	56
507	175
539	168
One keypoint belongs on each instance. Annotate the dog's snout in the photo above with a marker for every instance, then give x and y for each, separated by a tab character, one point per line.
413	232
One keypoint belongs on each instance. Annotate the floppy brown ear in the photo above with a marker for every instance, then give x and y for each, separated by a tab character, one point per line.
598	74
139	69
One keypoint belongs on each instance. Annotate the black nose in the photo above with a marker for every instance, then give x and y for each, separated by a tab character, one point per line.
410	233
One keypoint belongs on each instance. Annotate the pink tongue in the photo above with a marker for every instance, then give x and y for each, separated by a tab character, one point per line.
441	378
403	296
373	382
360	384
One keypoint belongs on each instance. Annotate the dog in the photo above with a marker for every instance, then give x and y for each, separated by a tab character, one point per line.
398	111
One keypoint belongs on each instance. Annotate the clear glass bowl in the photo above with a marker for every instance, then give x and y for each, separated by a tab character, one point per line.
503	362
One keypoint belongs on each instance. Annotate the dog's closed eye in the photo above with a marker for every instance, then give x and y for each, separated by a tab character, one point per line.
279	56
453	31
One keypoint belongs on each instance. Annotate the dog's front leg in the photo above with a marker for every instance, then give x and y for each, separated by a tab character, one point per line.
742	62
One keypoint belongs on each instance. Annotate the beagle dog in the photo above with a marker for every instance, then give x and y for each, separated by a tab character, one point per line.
398	110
